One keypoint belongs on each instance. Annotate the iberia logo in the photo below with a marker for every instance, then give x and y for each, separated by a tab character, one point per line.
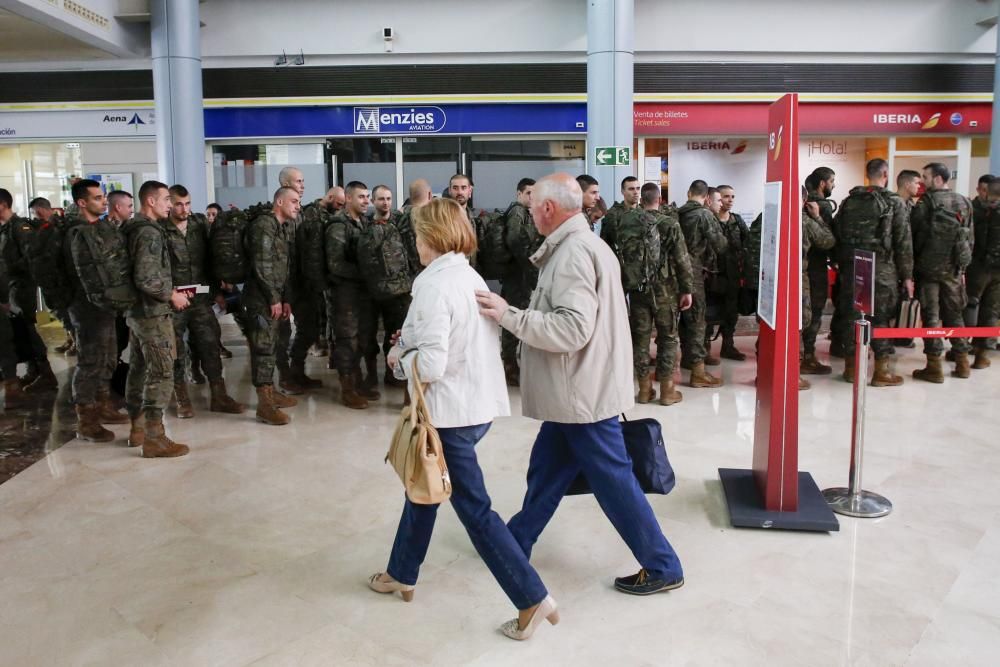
740	147
931	122
775	142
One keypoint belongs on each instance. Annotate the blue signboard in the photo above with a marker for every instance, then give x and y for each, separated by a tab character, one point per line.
370	120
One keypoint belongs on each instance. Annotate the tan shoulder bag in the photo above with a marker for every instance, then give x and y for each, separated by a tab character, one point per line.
416	453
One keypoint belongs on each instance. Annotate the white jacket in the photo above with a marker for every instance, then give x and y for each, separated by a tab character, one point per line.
576	349
457	349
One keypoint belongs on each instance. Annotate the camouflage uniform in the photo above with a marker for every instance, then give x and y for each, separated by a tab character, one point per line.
609	225
731	270
353	303
817	239
189	266
523	240
150	381
659	306
817	276
8	356
893	248
23	290
703	236
983	277
310	280
381	246
939	282
271	262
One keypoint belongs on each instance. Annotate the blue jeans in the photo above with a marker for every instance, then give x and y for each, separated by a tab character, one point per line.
560	452
486	529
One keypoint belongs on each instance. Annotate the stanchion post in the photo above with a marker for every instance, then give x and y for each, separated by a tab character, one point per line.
853	500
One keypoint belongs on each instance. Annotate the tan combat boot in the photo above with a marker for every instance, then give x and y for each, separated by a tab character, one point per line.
933	372
283	400
106	412
646	393
14	394
668	392
46	380
804	384
348	396
849	361
729	350
701	379
299	377
137	433
267	410
810	365
982	359
158	445
365	388
883	376
88	424
961	366
184	408
222	401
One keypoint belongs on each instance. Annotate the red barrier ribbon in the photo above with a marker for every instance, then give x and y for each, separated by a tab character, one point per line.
937	332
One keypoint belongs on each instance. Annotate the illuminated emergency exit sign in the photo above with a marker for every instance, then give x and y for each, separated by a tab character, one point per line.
613	156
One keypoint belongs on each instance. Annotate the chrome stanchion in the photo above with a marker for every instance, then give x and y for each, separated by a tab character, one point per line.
854	501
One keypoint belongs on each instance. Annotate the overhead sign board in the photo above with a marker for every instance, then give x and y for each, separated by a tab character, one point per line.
28	125
399	120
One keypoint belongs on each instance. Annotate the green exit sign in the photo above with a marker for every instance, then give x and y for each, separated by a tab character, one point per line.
613	156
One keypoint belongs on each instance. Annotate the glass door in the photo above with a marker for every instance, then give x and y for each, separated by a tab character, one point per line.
498	163
434	159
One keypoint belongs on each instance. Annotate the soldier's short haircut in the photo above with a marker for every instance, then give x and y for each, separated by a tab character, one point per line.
822	174
906	176
285	175
875	167
380	187
986	179
40	201
586	181
525	183
117	195
419	189
80	188
354	186
5	198
994	188
720	188
460	177
811	182
179	190
699	188
148	189
938	169
713	191
650	194
284	191
627	180
217	207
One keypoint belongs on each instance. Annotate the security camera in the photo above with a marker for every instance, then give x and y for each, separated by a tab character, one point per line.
387	34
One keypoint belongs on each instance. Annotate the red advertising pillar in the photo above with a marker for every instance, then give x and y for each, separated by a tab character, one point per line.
774	494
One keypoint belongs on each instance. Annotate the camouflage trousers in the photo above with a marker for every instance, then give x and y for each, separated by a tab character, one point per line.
392	311
692	330
730	308
886	301
150	382
204	336
658	308
96	350
8	353
983	283
263	338
839	316
351	325
330	317
517	292
24	300
813	306
306	311
941	305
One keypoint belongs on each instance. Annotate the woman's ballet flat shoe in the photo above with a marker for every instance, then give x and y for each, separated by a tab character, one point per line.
547	611
392	586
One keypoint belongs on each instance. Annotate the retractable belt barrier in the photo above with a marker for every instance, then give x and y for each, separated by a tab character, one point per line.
937	332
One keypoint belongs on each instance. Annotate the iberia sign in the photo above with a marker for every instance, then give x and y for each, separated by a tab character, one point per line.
398	120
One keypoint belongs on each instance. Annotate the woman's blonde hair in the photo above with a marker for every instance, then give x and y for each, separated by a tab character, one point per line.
444	227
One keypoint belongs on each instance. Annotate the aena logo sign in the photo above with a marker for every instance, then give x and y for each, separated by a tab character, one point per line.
398	120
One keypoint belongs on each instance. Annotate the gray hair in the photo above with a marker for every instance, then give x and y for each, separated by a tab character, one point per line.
285	175
564	193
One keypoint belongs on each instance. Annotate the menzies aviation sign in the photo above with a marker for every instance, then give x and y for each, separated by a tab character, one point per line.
398	120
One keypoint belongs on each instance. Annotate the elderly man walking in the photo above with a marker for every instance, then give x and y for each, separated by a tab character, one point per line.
576	377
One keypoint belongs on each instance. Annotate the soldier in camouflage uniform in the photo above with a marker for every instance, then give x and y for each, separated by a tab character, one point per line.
8	356
703	236
630	201
267	298
817	234
983	277
660	304
187	242
150	381
352	298
942	248
593	205
819	188
291	177
420	194
873	218
523	240
731	270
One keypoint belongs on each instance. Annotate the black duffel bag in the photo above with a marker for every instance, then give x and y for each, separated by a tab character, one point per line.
22	338
644	444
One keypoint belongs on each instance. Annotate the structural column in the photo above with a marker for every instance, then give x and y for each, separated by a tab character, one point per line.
610	54
180	121
995	131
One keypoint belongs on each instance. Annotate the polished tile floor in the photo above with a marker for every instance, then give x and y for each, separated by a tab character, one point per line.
254	549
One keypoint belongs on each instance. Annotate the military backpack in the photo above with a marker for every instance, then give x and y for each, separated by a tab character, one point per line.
50	267
863	222
637	246
225	245
947	250
311	247
383	260
493	257
991	239
101	260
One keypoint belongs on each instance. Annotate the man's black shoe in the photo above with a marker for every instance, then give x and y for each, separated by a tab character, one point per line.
642	584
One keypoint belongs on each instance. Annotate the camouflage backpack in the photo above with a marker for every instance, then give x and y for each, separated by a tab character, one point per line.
637	245
383	260
225	245
991	239
50	266
863	222
947	250
101	260
493	257
751	253
309	241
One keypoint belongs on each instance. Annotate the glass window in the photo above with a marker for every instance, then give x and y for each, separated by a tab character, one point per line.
248	174
497	165
371	160
39	170
434	159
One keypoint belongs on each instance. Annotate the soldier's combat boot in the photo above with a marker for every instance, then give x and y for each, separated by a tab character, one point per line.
933	372
46	380
222	401
267	411
961	366
156	443
646	393
13	394
712	361
282	400
286	380
982	359
950	355
837	349
668	392
849	361
729	350
365	388
350	397
106	412
88	425
701	379
197	376
224	352
686	363
804	384
371	374
137	432
810	365
299	377
883	376
184	408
